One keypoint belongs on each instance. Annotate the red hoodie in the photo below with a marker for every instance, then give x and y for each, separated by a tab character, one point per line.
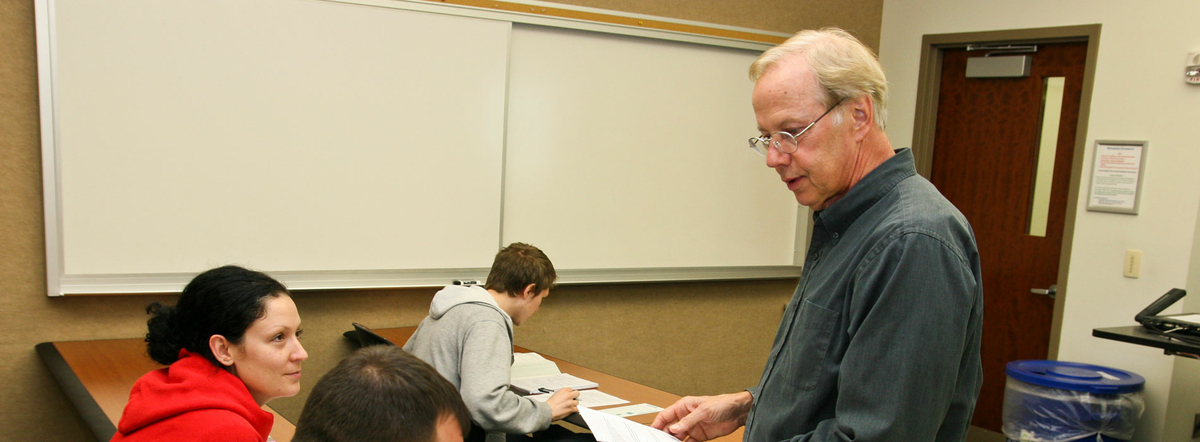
192	400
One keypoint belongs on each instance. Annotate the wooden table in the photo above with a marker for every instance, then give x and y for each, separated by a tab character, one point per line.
98	375
631	391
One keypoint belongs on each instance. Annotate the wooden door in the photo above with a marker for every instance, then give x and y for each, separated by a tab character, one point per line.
986	151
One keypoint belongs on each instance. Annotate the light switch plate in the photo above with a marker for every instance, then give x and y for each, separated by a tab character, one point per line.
1133	263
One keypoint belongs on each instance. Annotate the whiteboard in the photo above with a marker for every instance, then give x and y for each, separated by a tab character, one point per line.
631	152
191	135
344	144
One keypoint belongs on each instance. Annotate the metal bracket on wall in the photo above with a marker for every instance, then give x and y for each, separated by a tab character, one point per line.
1003	49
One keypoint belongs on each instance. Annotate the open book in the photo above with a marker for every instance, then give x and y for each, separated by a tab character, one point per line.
533	374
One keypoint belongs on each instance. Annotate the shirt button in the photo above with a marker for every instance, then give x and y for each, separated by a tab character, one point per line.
835	235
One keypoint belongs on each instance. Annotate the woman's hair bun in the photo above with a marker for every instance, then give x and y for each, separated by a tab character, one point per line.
162	337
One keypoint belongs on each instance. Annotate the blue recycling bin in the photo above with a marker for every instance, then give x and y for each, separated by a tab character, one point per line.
1055	401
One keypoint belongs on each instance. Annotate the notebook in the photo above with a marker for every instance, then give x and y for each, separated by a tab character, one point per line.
590	398
1150	318
533	374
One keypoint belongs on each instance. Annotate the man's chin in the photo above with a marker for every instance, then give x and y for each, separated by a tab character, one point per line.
812	204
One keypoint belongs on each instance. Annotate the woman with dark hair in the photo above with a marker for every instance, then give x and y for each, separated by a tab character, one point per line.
231	343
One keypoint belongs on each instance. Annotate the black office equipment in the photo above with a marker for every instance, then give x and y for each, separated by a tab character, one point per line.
1172	344
1149	317
367	338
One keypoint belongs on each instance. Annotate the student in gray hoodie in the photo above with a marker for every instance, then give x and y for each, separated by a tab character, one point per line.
467	337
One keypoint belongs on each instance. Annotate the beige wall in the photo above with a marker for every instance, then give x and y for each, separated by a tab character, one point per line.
1139	94
690	338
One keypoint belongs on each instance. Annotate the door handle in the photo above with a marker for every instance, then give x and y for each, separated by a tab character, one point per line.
1051	292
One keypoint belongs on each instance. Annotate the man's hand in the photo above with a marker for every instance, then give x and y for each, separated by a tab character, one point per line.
563	403
705	417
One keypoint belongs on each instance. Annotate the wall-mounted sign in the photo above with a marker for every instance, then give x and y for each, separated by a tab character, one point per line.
1117	170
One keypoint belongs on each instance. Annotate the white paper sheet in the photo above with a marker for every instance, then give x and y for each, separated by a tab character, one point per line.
609	428
550	384
529	365
589	398
632	410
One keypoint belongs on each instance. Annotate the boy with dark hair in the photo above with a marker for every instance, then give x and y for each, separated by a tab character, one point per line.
383	393
467	337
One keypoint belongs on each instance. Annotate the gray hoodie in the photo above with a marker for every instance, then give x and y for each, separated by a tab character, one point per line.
468	339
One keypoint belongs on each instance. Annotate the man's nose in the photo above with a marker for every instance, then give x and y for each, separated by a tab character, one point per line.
776	158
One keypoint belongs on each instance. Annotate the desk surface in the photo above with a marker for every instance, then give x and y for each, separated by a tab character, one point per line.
107	370
631	391
1136	334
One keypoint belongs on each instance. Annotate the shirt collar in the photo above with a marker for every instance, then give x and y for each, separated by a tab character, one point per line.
840	215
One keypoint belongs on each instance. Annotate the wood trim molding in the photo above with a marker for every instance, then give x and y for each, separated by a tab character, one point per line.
925	124
617	19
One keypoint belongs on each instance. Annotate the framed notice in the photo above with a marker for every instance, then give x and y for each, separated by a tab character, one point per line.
1117	170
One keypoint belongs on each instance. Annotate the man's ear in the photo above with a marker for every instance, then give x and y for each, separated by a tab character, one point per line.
530	291
222	349
862	113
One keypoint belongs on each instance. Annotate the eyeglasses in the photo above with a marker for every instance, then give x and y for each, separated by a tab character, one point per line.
784	141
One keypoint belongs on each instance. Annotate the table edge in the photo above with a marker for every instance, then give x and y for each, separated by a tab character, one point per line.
79	395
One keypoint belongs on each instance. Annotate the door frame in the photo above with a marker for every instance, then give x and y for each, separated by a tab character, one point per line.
925	125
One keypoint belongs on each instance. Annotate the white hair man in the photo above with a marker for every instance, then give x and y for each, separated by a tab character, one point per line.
880	341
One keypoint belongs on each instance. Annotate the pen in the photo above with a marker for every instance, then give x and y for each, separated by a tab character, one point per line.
545	390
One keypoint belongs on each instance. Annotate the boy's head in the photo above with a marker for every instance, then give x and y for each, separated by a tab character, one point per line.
383	393
519	268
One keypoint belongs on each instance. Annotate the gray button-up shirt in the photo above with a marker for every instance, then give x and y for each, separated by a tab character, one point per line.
881	340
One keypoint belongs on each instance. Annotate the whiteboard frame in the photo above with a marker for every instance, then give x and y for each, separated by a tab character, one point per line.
583	25
60	284
389	279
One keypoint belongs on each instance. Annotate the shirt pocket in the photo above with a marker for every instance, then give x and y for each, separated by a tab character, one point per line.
802	358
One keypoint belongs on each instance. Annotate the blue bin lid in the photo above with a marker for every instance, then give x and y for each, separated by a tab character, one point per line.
1075	376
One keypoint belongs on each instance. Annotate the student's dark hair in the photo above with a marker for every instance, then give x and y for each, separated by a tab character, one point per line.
519	265
222	301
380	393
